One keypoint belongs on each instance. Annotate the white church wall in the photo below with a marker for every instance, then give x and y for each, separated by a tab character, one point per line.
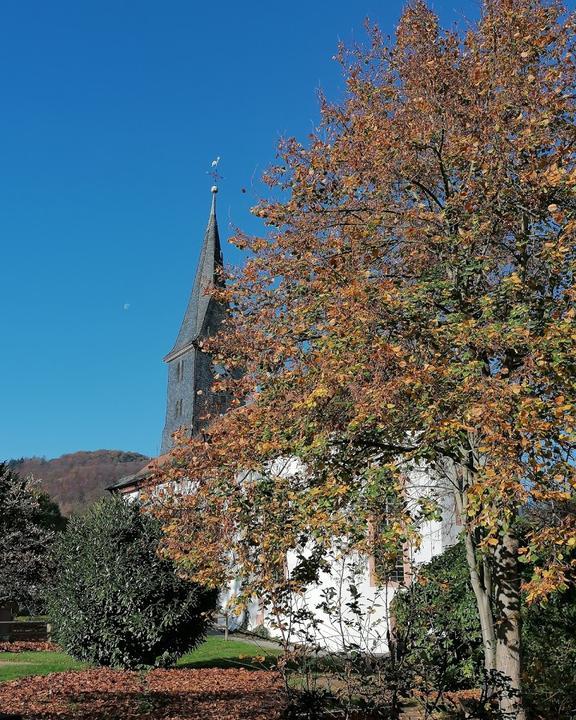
368	628
338	630
348	610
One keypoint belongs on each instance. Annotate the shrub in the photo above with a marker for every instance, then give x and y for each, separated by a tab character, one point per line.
438	622
115	601
29	522
549	634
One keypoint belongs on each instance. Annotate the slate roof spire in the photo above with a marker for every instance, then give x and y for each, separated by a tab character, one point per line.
197	312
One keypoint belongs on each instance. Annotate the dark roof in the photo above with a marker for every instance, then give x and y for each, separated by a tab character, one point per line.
147	472
129	480
207	275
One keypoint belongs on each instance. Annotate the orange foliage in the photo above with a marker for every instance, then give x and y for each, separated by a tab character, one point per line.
76	479
413	301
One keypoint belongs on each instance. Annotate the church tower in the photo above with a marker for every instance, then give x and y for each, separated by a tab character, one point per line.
190	375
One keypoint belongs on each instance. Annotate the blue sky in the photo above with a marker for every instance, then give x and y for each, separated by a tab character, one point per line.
112	111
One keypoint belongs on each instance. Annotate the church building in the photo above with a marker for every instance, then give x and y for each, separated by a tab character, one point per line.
190	374
190	399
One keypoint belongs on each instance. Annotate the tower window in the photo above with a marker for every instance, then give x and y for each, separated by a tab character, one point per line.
178	409
180	370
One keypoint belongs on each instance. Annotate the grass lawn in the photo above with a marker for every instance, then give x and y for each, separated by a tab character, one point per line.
219	653
15	665
215	652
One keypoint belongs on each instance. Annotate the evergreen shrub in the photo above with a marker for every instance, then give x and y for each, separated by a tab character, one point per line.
115	601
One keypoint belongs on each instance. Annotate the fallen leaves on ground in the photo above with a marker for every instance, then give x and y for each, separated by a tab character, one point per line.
18	646
175	694
455	695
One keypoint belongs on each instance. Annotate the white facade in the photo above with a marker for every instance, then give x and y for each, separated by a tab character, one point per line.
334	625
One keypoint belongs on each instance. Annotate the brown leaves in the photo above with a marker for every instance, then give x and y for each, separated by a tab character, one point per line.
176	694
27	646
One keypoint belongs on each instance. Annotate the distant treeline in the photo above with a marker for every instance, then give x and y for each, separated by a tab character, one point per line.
76	479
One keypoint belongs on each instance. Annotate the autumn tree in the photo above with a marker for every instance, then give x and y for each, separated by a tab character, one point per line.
412	305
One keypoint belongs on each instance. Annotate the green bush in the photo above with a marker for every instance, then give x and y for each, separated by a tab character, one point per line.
549	634
115	601
437	622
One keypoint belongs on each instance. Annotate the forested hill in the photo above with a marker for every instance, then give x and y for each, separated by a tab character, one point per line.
75	480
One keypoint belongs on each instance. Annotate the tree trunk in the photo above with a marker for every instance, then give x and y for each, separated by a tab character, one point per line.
508	626
483	602
480	577
495	581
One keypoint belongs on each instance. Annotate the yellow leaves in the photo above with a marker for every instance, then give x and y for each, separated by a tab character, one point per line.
544	582
266	447
554	175
514	279
320	391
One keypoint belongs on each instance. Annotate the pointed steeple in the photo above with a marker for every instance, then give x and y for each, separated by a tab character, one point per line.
207	276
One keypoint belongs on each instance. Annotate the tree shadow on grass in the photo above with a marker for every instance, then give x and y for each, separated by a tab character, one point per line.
264	662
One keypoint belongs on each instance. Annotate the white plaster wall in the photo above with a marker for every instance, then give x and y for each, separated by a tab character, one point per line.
337	634
340	633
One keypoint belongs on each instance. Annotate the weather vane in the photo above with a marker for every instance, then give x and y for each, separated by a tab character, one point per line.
214	174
